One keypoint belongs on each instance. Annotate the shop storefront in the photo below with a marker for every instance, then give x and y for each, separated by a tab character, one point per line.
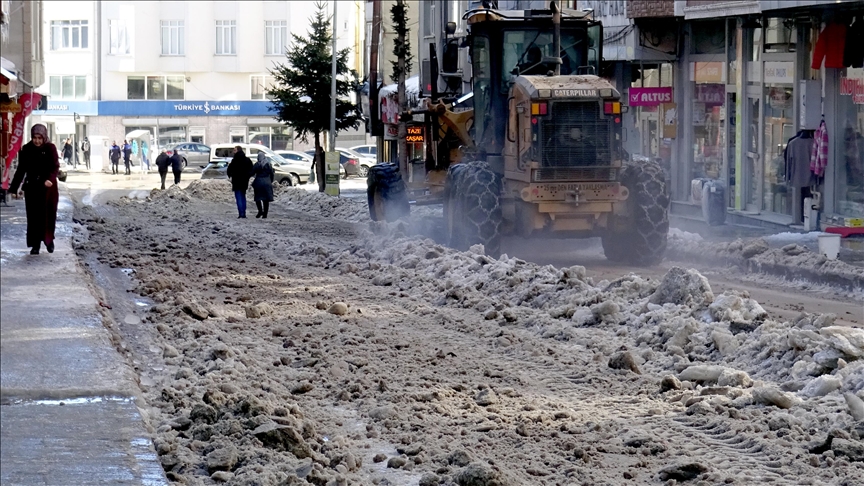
848	174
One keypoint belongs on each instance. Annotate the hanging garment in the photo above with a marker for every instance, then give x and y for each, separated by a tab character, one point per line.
853	55
798	152
830	46
819	154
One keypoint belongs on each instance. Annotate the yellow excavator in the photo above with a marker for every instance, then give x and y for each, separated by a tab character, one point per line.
535	150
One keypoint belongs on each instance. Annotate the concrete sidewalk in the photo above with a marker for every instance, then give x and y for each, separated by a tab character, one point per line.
67	398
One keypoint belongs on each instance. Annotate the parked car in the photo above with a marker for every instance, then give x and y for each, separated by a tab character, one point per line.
363	162
196	155
292	155
366	150
288	172
350	164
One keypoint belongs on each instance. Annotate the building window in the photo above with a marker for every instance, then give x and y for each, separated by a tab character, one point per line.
155	88
135	88
173	38
68	87
276	36
260	86
69	34
226	37
119	37
170	136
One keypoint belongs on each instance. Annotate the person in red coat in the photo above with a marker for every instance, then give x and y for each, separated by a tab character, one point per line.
38	167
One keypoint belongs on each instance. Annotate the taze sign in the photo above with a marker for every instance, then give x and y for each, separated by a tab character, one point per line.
650	96
28	101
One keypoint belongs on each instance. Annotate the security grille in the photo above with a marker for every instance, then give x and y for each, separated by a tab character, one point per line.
576	133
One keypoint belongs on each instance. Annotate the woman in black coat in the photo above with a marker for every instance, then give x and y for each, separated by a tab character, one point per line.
38	167
263	184
239	171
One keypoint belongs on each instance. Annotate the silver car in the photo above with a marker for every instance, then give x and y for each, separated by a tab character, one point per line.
287	172
195	155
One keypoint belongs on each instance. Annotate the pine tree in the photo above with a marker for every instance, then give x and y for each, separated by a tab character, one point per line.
301	92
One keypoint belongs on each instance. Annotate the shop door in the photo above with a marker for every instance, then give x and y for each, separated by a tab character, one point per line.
752	176
649	128
731	148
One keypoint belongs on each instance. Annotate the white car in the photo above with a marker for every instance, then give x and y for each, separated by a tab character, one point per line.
366	150
364	162
295	156
288	172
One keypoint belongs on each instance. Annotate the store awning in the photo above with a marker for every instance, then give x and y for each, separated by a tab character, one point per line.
8	78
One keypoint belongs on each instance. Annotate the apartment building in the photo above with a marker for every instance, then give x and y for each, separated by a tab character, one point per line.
187	71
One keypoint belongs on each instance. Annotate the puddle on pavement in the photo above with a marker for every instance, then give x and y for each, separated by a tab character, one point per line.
73	401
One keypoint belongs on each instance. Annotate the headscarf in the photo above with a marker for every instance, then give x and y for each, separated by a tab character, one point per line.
261	157
39	129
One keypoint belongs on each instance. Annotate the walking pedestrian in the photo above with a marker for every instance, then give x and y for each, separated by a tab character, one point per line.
176	166
263	184
85	148
115	154
162	163
67	152
38	167
239	171
127	152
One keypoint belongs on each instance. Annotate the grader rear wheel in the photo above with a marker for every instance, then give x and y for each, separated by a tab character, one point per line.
472	207
386	193
639	238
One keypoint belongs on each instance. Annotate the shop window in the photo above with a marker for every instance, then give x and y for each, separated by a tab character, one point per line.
779	128
169	136
780	35
709	37
69	34
68	87
135	88
849	150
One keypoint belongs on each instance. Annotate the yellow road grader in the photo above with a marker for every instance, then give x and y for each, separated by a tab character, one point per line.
539	154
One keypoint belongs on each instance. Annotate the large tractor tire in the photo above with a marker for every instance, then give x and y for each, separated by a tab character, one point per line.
472	207
639	238
386	193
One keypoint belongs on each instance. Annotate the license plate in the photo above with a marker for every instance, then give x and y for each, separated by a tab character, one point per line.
574	191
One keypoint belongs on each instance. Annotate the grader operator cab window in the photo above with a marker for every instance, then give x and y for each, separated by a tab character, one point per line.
482	86
526	52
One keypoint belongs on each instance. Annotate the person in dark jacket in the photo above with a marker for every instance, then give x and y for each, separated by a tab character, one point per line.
85	148
38	167
127	153
239	171
115	155
176	166
263	184
162	163
67	152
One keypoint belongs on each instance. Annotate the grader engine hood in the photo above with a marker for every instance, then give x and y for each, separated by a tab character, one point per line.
576	127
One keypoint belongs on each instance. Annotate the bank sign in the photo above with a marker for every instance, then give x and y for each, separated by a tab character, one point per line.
159	108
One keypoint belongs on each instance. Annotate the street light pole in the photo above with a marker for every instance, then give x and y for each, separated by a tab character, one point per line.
333	86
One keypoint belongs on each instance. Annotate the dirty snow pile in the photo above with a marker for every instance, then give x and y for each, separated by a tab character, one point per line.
342	355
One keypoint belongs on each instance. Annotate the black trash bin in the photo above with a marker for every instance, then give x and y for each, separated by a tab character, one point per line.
714	202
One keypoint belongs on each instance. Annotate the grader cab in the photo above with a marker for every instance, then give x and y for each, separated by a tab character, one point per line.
540	152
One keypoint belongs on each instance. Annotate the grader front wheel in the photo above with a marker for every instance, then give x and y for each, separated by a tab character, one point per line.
639	238
472	207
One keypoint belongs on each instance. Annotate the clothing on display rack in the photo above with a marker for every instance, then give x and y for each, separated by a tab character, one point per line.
797	158
819	154
830	46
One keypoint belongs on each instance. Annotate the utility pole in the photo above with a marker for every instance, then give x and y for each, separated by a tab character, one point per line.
332	147
375	118
403	100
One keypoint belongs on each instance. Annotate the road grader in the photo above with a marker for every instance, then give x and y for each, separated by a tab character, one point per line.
535	150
